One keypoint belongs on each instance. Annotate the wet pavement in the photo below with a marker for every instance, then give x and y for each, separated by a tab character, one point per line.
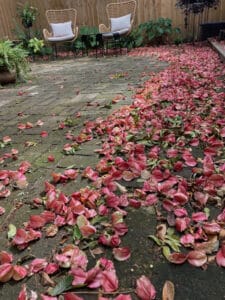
85	87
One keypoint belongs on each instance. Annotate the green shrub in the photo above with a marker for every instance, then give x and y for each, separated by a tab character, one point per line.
89	41
158	32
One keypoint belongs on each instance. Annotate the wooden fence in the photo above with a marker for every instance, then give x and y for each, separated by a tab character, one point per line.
92	12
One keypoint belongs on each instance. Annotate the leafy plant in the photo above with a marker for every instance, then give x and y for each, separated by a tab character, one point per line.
28	15
13	58
196	6
134	39
35	45
159	31
31	41
86	38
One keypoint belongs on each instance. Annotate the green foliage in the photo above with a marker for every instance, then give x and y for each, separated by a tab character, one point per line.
133	40
24	35
168	242
88	35
35	45
30	39
155	32
28	15
13	58
64	285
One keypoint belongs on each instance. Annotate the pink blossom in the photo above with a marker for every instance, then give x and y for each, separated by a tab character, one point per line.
37	265
109	281
199	217
197	258
51	268
23	293
80	276
187	239
6	272
220	256
182	224
122	253
145	289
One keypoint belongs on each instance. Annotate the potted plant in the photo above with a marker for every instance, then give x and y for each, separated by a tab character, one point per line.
13	62
28	15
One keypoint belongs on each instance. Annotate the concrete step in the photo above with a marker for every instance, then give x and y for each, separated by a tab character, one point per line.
218	46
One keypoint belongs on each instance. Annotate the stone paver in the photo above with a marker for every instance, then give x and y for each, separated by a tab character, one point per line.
58	90
55	91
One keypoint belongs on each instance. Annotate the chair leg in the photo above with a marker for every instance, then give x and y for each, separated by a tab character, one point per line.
56	53
54	50
73	49
107	47
99	44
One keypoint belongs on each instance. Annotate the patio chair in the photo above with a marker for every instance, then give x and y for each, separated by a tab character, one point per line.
62	24
120	21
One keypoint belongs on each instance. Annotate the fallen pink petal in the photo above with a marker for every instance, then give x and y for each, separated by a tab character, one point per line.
110	281
122	253
23	293
145	290
51	158
197	258
44	134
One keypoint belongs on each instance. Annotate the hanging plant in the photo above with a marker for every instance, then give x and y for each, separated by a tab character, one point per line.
196	6
28	15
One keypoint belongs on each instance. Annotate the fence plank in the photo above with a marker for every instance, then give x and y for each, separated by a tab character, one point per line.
92	12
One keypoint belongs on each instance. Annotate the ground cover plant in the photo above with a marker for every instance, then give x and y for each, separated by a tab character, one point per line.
170	141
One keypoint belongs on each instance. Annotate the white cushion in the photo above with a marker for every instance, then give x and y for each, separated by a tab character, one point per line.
112	34
120	23
61	38
62	29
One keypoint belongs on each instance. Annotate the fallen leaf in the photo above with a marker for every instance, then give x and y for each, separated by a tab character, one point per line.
12	231
46	280
168	292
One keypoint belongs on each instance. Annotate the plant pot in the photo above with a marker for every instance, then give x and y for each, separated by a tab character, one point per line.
6	76
27	23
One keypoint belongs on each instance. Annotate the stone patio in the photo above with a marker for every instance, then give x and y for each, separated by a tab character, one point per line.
84	87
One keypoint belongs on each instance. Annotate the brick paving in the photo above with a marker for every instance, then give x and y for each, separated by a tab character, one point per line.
56	91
